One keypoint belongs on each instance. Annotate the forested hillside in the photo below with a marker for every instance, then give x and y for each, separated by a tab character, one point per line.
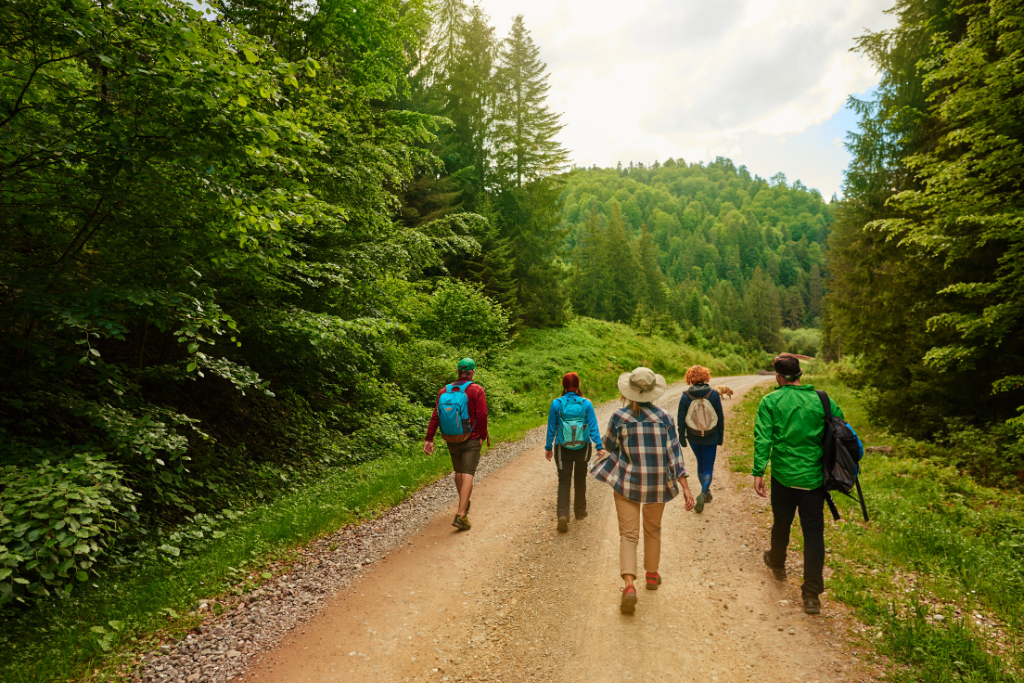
720	253
927	287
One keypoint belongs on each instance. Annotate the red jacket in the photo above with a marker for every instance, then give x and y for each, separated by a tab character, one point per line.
477	404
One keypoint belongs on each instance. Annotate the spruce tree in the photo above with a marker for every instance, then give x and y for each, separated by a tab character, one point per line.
763	305
470	85
524	128
621	268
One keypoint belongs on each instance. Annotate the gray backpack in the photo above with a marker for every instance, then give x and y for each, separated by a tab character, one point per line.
701	418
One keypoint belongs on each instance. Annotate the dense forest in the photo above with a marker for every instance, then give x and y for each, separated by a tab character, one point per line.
710	251
926	283
244	244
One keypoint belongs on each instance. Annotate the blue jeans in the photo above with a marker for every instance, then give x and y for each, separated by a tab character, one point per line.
705	463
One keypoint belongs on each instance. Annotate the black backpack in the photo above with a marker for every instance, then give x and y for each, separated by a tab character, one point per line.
841	453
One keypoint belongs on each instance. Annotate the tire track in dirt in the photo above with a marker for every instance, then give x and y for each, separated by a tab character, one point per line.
513	600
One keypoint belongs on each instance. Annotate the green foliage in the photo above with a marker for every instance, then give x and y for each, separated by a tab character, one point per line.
698	237
197	285
55	522
458	313
925	258
804	341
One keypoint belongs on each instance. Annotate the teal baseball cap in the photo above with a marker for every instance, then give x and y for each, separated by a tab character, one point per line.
466	365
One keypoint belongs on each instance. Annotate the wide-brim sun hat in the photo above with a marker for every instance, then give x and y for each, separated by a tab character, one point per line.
642	385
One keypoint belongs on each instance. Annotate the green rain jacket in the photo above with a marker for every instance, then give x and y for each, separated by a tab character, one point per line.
788	430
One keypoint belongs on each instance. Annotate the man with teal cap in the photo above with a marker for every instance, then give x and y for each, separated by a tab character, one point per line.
461	414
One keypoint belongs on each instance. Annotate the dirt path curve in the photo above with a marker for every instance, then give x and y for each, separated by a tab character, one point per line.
513	600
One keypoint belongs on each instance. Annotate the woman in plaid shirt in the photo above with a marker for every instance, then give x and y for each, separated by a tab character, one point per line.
645	468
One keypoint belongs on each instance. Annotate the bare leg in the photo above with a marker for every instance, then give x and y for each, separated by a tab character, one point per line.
464	485
629	579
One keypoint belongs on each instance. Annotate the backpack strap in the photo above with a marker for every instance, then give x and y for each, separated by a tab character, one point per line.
825	403
832	505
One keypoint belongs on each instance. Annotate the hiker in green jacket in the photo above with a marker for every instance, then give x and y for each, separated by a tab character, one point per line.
788	431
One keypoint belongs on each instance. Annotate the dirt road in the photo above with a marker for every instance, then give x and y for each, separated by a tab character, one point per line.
513	600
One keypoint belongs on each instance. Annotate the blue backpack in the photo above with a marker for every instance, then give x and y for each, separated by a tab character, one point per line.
572	423
453	414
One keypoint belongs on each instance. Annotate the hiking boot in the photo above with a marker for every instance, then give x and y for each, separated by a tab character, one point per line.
699	505
461	523
653	581
563	524
780	574
812	603
580	514
708	497
628	604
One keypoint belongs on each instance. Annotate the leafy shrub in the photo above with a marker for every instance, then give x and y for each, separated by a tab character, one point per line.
423	367
805	341
460	314
992	455
56	519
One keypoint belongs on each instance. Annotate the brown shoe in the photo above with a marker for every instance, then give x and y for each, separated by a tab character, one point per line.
812	603
563	524
628	604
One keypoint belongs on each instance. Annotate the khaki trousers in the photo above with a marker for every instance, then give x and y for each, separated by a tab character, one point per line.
629	534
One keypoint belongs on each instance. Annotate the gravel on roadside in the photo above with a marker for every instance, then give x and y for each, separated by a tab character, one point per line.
223	646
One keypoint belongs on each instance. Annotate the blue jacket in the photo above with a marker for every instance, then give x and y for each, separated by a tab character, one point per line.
556	409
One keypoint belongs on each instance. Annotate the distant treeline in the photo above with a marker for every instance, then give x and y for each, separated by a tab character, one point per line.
709	249
926	258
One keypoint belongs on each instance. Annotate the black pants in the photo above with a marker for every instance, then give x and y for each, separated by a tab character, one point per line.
811	504
572	469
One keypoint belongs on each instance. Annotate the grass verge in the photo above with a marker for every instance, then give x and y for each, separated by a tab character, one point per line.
937	576
599	351
89	636
92	635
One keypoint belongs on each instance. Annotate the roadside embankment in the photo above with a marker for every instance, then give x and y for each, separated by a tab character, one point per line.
936	578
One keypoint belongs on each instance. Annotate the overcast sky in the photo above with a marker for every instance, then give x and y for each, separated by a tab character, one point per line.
763	82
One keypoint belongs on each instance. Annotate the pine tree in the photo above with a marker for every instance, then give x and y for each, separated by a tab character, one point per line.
762	302
470	85
494	267
793	308
589	283
445	42
524	127
621	268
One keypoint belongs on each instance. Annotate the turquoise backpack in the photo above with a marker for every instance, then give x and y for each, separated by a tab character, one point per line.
453	413
572	423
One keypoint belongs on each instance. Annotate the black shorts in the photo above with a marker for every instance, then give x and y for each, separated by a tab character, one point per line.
465	456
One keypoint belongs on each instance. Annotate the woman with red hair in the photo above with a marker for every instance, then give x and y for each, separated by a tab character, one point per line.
572	428
702	423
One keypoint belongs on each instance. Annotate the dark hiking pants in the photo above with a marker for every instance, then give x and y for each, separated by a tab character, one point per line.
572	472
811	506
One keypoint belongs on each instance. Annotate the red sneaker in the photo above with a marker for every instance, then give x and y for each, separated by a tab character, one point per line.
653	581
628	604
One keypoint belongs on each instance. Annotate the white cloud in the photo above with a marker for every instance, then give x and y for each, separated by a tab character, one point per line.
648	79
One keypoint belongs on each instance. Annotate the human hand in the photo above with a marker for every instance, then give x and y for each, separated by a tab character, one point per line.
688	501
428	447
760	488
601	452
548	454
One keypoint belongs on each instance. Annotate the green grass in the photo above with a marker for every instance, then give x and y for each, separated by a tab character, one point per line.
937	543
57	641
599	352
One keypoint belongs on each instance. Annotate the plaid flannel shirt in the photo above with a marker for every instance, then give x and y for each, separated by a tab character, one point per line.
644	460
